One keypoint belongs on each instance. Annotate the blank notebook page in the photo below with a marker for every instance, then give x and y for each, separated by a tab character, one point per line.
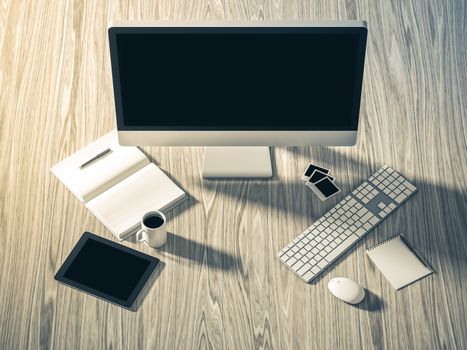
96	178
398	263
122	206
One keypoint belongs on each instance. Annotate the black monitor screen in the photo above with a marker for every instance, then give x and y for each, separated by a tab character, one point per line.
237	78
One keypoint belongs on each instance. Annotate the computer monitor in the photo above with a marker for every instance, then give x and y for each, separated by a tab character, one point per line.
237	84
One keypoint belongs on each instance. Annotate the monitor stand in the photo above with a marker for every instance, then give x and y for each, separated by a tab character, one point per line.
239	162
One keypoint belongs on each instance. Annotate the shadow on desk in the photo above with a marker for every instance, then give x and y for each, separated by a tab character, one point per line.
291	197
148	286
433	220
372	302
186	248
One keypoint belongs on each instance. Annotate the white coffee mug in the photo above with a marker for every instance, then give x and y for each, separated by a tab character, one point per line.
153	229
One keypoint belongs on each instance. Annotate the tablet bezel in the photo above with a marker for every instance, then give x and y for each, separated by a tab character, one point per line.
127	304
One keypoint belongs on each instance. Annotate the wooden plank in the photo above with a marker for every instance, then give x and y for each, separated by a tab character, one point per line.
221	285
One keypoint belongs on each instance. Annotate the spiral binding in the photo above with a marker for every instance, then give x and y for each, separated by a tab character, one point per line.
385	241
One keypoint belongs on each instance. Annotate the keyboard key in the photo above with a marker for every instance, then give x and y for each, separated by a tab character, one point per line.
297	265
303	269
400	198
362	212
308	276
409	186
291	261
298	255
360	232
366	217
308	247
374	220
341	247
315	269
322	263
322	253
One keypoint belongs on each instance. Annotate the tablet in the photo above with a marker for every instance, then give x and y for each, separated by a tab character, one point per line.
107	270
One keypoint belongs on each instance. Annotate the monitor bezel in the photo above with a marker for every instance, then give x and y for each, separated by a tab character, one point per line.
124	27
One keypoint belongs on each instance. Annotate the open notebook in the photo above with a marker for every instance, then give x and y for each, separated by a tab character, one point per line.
399	261
119	187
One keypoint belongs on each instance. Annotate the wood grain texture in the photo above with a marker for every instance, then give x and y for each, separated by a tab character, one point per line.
221	285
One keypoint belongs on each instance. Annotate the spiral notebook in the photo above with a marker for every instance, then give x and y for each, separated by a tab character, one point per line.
399	262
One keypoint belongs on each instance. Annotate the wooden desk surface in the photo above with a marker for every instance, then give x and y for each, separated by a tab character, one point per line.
221	286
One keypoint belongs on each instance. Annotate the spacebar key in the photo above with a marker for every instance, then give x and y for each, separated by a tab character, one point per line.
342	247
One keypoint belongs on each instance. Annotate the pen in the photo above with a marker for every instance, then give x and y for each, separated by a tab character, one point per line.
95	158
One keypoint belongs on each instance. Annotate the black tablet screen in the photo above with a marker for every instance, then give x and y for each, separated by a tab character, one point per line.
107	269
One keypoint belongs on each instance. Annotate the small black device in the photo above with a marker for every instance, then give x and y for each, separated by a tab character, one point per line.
107	270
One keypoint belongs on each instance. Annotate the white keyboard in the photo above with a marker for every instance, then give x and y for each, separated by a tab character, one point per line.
351	219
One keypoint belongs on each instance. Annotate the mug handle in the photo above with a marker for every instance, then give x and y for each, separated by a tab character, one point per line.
140	235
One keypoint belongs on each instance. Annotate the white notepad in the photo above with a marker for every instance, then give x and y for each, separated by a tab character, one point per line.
399	262
120	187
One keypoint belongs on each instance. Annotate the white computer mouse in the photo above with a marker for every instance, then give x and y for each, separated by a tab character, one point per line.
347	290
